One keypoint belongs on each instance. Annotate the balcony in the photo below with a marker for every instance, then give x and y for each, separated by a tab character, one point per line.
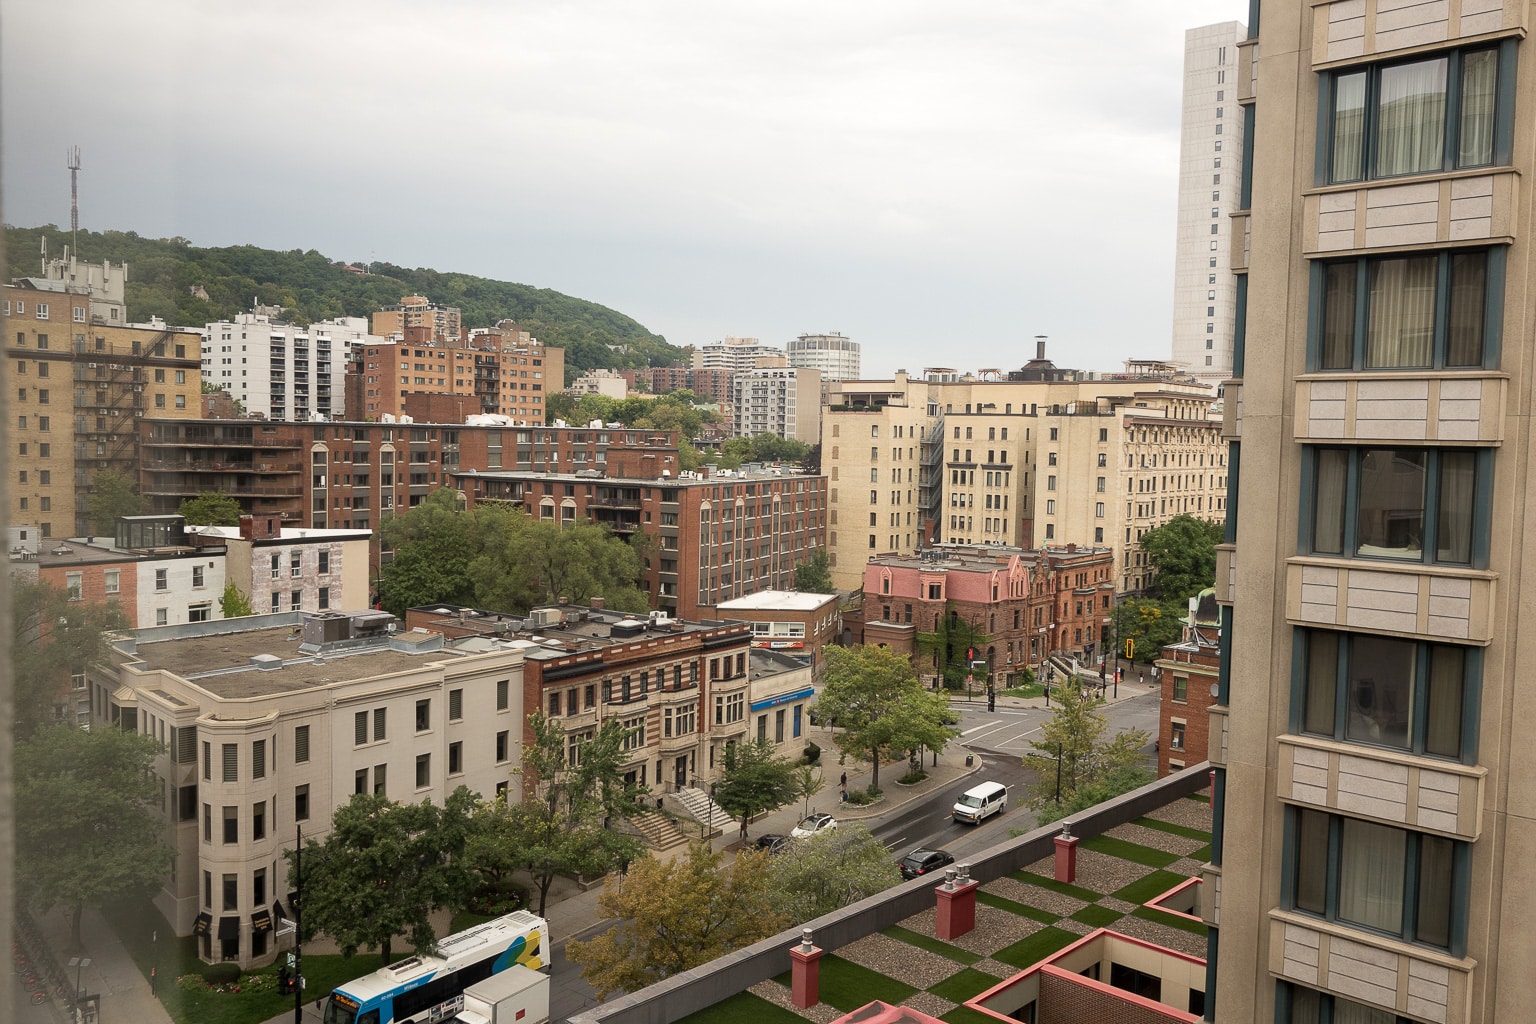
1390	786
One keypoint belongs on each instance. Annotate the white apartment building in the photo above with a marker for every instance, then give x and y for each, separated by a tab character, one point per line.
779	400
735	354
834	355
267	733
281	371
600	382
1210	154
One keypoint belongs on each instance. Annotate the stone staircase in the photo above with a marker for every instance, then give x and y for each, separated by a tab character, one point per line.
696	803
659	832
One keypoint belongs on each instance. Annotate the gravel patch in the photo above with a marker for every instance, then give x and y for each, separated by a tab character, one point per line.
902	961
778	995
1066	924
1032	895
1173	938
1186	866
1189	813
995	929
1118	906
1103	873
932	1005
1157	840
996	968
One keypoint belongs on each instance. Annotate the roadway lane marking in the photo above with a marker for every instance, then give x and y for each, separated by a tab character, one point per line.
985	728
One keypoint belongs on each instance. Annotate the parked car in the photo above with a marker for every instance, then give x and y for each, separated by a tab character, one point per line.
921	862
813	825
772	842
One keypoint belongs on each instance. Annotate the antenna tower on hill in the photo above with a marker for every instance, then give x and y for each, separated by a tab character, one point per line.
72	158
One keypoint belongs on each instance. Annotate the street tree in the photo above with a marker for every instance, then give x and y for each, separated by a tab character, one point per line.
808	781
234	603
1151	624
875	699
56	640
830	870
211	508
755	780
1072	751
88	828
565	824
383	870
113	494
952	645
814	575
676	915
1183	551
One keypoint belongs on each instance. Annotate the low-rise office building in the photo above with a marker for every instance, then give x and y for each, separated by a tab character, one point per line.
794	623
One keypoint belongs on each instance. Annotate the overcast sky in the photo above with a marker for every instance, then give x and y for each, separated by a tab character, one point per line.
940	182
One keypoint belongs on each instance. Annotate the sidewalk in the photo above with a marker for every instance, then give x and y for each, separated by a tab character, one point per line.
112	974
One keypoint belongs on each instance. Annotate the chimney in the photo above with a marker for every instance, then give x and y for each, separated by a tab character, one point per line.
598	603
1071	549
1040	350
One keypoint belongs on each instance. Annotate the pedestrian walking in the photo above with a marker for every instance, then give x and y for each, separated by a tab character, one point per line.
1141	675
844	782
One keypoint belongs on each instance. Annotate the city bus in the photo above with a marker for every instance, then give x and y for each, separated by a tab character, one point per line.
430	988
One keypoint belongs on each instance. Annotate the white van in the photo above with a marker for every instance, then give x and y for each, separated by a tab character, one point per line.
981	802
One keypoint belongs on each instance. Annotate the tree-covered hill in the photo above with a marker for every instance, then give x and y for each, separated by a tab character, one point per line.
165	274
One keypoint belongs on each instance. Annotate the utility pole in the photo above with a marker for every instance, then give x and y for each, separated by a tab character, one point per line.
298	931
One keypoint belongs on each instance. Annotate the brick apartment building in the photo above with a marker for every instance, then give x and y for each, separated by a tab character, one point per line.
715	537
1027	604
1189	671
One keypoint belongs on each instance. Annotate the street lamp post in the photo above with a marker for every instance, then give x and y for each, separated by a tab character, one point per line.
79	963
298	932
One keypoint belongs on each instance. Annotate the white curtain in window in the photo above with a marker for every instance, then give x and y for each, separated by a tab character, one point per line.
1328	521
1479	76
1348	126
1401	327
1371	865
1458	489
1410	130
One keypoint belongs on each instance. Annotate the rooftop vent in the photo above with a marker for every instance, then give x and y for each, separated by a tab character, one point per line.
266	662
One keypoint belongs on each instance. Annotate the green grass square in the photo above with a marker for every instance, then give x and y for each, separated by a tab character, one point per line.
1133	852
1174	830
957	988
1143	889
966	1015
931	944
1199	798
1203	854
1162	917
1096	916
743	1008
1031	950
848	986
1077	892
1021	909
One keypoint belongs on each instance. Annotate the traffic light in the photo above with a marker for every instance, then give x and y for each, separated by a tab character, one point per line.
1130	647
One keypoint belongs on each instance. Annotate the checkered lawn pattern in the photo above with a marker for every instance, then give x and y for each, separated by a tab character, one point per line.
1020	920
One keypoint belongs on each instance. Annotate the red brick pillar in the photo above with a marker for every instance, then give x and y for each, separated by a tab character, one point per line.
957	904
805	972
1066	854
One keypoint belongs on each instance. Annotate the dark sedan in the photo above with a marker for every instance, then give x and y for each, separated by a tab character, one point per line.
923	862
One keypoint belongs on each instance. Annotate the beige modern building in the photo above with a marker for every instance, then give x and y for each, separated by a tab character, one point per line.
1031	458
1374	768
777	400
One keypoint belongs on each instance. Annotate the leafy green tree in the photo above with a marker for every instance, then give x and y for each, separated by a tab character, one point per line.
54	639
1183	551
1073	749
383	870
234	603
1152	624
88	828
113	494
211	508
676	915
814	575
564	824
830	870
947	645
808	781
875	699
755	780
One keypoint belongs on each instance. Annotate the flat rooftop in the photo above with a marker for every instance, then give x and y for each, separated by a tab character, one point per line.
221	663
776	600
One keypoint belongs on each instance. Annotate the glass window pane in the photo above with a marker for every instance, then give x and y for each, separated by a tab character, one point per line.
1312	861
1348	126
1381	687
1400	329
1391	519
1305	1006
1458	494
1328	501
1479	76
1321	683
1371	864
1447	674
1339	296
1346	1012
1410	125
1464	322
1436	867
